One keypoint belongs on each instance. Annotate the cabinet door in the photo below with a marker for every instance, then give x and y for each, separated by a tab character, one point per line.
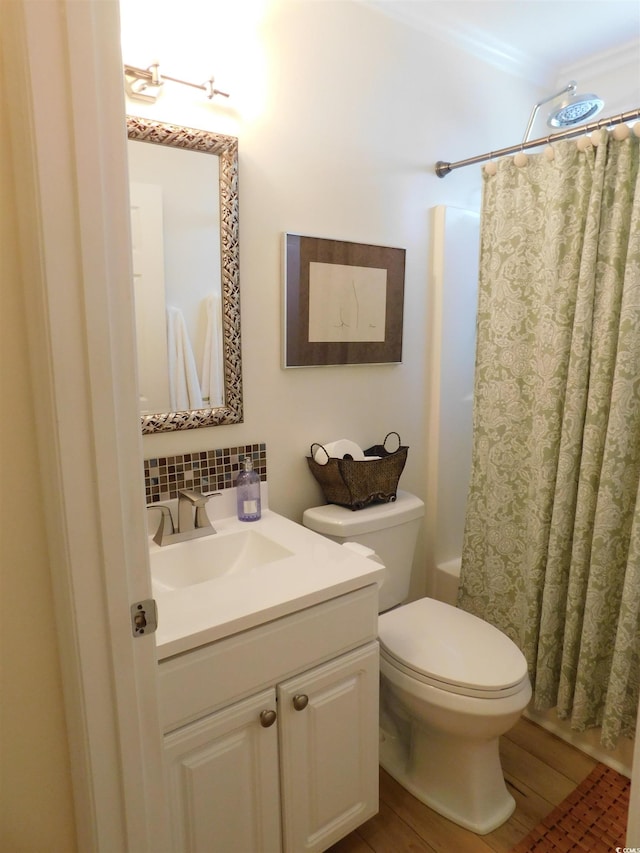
222	774
328	721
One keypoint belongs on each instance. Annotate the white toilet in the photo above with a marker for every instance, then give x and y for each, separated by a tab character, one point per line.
451	684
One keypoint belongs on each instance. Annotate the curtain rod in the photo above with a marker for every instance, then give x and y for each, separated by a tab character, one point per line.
443	168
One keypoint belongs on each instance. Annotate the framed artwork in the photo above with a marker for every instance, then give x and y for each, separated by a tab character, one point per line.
343	302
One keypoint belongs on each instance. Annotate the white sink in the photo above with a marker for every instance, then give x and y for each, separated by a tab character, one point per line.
245	575
200	560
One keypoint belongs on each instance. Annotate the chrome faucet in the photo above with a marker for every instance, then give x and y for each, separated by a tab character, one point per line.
193	520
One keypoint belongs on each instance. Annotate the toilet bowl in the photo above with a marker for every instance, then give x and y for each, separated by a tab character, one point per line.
450	683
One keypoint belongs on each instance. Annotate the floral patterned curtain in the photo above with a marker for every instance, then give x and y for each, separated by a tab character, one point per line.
552	541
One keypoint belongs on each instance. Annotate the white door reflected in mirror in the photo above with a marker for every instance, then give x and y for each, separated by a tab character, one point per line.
175	226
150	300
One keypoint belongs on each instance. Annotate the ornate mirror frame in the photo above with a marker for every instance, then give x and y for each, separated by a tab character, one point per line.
226	149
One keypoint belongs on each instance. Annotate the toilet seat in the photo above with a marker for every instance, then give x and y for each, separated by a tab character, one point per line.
451	649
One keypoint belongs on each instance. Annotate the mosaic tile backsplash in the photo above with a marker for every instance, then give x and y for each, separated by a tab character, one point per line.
205	470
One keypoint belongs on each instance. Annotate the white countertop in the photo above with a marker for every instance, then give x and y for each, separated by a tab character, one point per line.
318	570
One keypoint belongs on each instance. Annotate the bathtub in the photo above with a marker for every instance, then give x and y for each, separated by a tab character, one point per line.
446	579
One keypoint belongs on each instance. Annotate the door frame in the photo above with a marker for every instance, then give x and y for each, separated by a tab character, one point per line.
68	141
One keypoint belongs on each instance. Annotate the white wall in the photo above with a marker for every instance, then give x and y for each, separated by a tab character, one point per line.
341	116
613	76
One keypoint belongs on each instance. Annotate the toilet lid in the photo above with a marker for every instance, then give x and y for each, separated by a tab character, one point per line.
451	648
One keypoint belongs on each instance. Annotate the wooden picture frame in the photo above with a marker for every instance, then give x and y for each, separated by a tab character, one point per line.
343	302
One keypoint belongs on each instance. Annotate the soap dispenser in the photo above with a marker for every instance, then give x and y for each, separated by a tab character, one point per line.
248	492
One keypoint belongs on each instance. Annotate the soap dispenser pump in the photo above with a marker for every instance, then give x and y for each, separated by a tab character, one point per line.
248	492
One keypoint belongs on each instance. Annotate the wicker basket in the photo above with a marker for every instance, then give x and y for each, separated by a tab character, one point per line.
356	483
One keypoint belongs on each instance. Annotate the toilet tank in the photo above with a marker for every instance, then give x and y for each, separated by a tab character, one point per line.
389	529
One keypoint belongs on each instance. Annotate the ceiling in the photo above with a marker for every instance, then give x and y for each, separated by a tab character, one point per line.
537	39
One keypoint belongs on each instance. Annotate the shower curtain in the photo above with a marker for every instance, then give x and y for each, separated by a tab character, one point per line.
551	552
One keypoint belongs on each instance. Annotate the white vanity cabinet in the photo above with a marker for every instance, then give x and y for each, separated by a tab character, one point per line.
271	735
223	791
328	729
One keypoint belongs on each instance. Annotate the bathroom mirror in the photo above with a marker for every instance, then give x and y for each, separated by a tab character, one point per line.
185	235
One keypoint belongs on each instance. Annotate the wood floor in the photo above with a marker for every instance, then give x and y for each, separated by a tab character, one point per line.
540	770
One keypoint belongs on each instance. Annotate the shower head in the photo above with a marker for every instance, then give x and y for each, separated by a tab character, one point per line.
571	110
574	109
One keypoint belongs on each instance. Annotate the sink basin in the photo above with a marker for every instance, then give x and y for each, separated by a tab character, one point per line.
200	560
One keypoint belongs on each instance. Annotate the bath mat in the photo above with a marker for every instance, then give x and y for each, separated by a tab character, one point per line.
591	819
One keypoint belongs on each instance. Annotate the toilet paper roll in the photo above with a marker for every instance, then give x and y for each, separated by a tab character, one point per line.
338	449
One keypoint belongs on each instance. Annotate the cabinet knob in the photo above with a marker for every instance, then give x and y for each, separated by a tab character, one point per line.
300	701
267	718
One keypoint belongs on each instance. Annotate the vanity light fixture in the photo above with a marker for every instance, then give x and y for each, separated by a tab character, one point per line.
145	84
